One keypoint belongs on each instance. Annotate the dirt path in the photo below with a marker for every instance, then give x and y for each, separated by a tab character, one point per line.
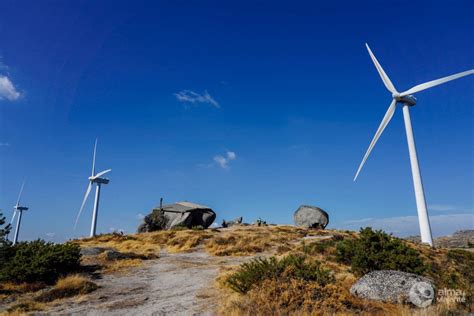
180	283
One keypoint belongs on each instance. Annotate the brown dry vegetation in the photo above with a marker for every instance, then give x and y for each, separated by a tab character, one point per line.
448	268
69	286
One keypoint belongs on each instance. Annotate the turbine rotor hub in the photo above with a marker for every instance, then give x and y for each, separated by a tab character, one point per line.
406	100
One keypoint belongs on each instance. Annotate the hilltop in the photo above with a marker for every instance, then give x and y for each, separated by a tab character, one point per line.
201	271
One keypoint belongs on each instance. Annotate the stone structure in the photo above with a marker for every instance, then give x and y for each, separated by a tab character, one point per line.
181	214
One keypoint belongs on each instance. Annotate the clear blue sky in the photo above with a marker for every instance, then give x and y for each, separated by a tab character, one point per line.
288	88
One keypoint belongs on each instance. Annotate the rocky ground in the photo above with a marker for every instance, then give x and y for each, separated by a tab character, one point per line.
176	283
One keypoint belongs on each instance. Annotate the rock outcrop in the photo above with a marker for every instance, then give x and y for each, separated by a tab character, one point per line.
395	287
311	217
236	221
459	239
181	214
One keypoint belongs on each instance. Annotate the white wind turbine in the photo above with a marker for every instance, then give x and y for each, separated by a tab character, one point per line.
406	99
18	209
98	180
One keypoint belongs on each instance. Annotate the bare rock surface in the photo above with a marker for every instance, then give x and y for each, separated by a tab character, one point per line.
395	287
311	217
174	284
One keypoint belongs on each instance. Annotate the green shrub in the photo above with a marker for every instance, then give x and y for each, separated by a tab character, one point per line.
5	248
318	247
377	250
40	261
463	261
289	267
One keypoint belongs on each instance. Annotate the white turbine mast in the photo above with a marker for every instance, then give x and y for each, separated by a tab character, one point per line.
98	181
406	99
18	209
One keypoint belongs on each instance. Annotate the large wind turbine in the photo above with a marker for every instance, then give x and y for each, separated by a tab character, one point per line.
98	180
18	209
406	99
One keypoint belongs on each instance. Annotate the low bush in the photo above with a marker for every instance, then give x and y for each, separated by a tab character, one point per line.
377	250
290	267
318	247
4	243
40	261
68	286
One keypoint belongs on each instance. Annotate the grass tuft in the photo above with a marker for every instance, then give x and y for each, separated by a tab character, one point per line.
68	286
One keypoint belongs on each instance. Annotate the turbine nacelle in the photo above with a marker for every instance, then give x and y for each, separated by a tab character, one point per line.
409	100
20	208
99	180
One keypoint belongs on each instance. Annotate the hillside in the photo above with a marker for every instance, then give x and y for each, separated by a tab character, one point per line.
460	239
192	271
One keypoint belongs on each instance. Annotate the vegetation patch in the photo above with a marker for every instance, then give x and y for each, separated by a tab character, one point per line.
25	306
244	241
377	250
289	267
69	286
40	261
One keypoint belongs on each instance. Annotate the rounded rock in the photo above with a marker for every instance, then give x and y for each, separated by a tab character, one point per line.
311	217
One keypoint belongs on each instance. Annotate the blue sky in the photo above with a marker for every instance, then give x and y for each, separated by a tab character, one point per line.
252	108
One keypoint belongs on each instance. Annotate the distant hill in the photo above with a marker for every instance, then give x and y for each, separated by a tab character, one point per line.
460	239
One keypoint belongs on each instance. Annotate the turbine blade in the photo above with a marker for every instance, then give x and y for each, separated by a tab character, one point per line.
19	195
13	217
386	80
102	173
93	159
89	187
436	82
386	119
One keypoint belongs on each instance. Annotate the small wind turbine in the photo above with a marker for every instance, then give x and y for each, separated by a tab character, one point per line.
406	99
18	209
98	180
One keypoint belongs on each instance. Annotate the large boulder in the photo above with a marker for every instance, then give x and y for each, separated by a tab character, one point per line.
311	217
236	221
395	287
181	214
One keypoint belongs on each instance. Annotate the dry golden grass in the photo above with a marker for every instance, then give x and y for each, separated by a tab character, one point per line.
29	301
235	241
7	288
24	307
123	265
299	297
149	244
122	243
76	282
71	285
249	240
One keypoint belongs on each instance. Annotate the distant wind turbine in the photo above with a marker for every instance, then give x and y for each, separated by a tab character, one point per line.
406	99
98	180
18	209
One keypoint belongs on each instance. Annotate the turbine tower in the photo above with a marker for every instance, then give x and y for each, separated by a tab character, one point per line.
18	209
98	181
406	100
